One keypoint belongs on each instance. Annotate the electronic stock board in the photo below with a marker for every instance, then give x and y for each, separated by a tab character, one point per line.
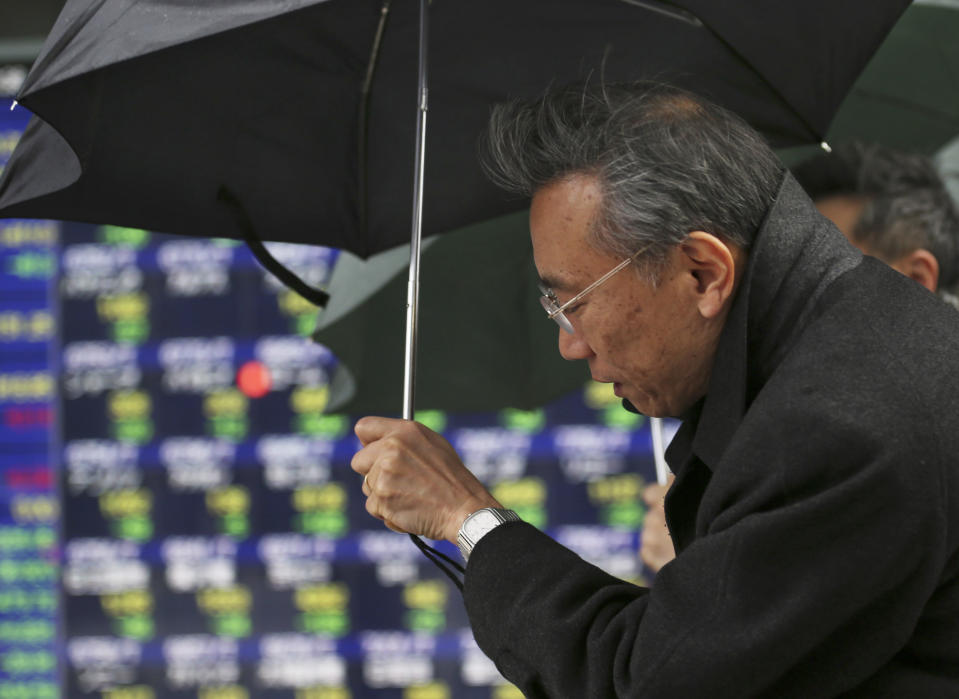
177	514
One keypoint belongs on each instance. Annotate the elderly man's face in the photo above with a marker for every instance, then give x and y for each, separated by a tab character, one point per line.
653	344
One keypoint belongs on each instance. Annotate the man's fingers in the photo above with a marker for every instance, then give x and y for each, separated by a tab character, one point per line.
394	527
653	518
369	429
414	480
374	506
366	458
363	460
654	494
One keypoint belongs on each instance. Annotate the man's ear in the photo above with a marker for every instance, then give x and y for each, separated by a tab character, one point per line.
920	265
713	265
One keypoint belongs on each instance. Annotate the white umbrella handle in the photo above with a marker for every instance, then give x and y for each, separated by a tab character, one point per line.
659	452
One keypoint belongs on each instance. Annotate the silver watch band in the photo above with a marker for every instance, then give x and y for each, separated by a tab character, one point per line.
479	524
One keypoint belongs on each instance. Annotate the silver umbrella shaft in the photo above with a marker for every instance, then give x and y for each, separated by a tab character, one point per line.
413	286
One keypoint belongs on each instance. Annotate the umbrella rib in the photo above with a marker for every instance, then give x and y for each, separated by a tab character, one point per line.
688	17
364	116
671	12
906	104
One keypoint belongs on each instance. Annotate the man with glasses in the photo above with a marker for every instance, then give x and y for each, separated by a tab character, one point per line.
817	391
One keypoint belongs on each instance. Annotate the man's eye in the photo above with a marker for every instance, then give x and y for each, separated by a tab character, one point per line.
572	309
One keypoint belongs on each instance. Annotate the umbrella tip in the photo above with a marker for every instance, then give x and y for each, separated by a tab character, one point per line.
13	105
825	146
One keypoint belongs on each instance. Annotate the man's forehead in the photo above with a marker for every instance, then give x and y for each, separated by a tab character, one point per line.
561	219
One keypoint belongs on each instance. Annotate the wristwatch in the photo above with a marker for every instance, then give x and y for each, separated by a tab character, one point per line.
479	524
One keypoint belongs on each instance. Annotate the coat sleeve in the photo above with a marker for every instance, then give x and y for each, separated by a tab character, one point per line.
814	559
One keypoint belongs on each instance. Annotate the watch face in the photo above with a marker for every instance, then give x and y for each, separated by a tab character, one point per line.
479	524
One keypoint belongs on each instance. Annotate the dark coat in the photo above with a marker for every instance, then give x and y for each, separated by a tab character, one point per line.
815	509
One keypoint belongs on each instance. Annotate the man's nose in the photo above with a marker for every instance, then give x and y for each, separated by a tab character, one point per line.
573	346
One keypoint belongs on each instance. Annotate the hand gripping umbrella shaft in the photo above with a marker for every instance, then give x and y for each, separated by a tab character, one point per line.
413	287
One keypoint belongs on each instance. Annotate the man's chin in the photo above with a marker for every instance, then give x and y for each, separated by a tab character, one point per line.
646	405
641	405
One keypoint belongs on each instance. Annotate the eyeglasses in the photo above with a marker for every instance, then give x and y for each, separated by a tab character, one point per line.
555	311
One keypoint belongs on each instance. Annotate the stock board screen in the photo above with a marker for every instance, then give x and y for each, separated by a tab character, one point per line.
29	551
195	529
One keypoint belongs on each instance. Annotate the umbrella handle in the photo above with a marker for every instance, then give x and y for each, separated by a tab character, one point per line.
659	452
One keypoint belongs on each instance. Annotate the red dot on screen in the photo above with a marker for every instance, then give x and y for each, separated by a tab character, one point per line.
254	380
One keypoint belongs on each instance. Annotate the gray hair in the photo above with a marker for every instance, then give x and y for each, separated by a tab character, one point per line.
895	225
907	205
667	163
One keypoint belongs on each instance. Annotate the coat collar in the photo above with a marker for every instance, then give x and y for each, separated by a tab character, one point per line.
795	256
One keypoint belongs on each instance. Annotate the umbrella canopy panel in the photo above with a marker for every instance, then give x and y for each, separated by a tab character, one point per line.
480	316
264	99
908	95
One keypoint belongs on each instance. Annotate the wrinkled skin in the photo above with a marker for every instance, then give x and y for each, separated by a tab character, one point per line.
414	480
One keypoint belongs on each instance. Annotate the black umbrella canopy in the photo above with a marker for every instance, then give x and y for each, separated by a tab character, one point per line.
150	109
908	96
